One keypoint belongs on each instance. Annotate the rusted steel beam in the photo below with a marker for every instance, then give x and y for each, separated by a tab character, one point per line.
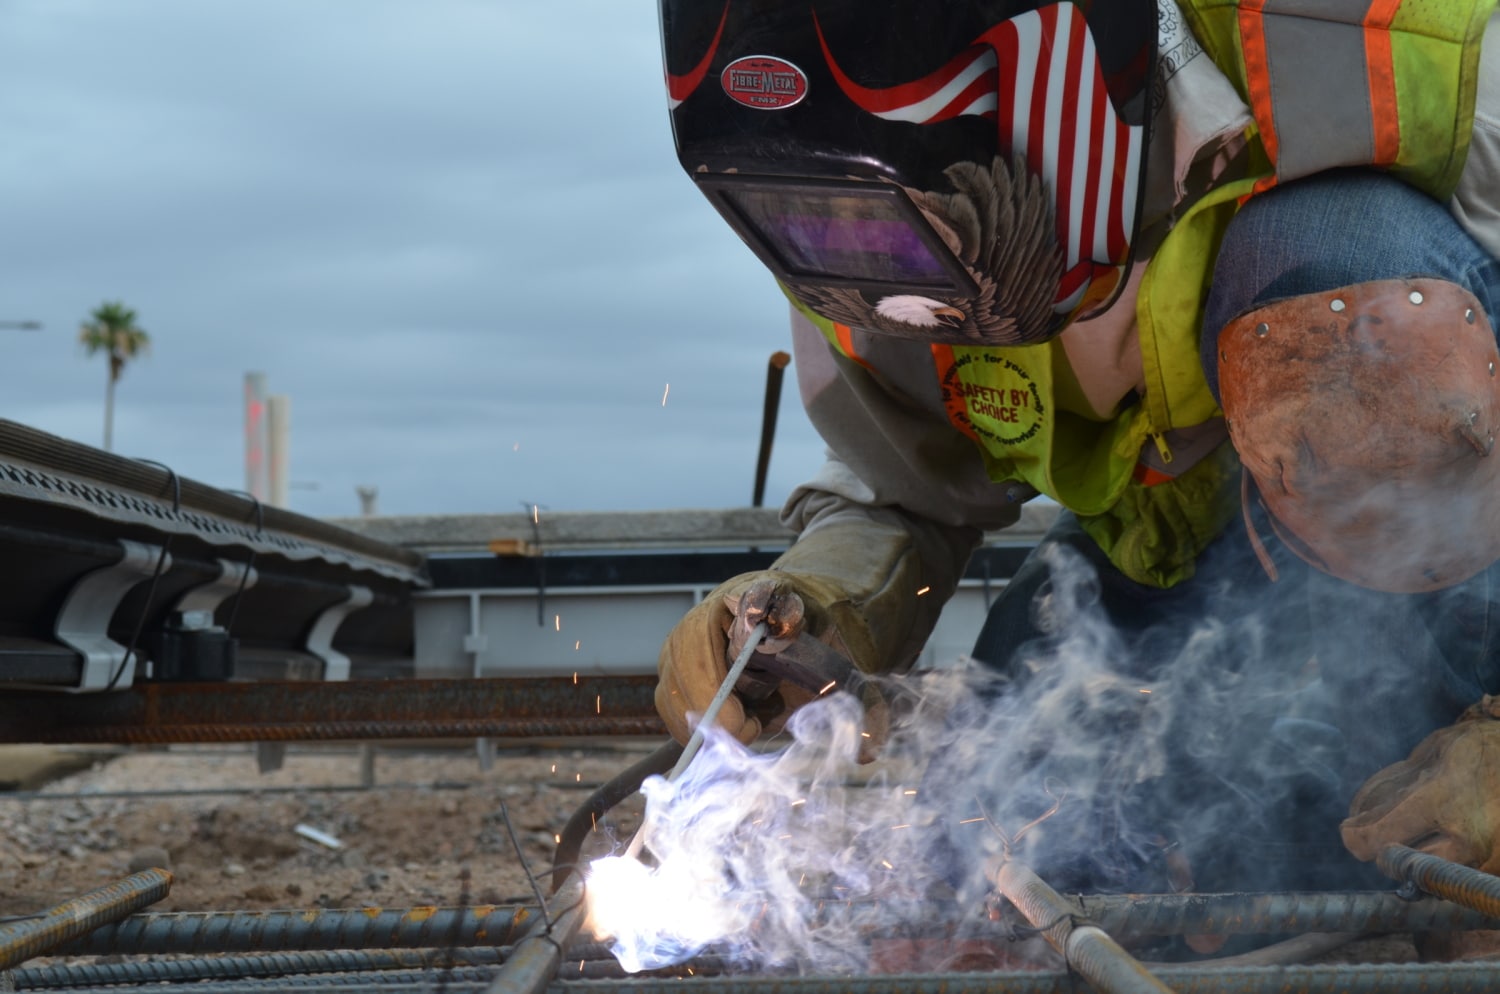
289	710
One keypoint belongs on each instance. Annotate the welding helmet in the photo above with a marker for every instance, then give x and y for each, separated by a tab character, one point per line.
963	173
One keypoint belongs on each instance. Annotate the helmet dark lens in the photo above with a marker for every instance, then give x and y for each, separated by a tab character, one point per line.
848	237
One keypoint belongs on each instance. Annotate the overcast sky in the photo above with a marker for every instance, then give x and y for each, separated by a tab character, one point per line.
453	232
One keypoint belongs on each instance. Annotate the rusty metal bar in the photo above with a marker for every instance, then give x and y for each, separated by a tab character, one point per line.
1125	916
1443	878
290	710
536	959
279	931
156	971
1412	978
1084	945
44	933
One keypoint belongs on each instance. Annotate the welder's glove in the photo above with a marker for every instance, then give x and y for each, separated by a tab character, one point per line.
851	585
1443	799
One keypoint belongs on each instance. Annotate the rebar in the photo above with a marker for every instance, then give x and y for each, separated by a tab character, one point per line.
1127	916
157	971
282	931
21	940
1443	878
1084	946
1363	978
534	963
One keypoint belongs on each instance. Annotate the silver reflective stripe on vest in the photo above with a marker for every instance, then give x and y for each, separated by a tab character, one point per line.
1318	47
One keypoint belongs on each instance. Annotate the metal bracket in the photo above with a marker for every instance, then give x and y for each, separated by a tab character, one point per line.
83	622
194	610
320	636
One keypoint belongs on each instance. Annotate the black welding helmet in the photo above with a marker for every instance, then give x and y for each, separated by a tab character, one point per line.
958	172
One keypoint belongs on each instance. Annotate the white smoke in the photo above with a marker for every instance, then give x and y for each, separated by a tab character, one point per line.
791	858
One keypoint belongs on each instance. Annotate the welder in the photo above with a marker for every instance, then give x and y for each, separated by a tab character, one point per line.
1217	279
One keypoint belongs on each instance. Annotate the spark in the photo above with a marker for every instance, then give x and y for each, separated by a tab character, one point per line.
557	838
580	966
593	822
578	778
969	821
887	864
598	703
864	734
1145	690
577	644
828	686
786	836
664	393
557	622
910	793
923	591
554	767
800	800
534	517
802	881
575	678
894	827
690	972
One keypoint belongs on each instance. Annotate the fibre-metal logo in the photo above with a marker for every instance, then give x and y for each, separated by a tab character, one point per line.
764	82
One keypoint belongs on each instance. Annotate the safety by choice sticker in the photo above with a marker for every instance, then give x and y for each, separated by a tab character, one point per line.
995	397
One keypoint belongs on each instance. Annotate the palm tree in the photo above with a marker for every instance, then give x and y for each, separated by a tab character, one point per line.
113	331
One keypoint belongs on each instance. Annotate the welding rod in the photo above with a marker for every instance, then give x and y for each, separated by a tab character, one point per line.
1085	946
710	714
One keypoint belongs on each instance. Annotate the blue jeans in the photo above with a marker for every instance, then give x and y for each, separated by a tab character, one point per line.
1277	699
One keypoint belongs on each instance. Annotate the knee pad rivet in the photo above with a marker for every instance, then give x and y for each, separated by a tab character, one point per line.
1262	329
1336	305
1415	297
1468	315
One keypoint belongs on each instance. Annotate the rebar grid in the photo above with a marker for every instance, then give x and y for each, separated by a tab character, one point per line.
1131	915
1084	946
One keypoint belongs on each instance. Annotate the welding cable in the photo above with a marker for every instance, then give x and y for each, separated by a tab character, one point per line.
586	818
162	559
710	715
260	521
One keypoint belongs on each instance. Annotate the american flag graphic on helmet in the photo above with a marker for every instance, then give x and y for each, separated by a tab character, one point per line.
1038	77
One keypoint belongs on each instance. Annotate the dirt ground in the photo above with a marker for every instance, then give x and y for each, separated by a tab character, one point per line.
229	833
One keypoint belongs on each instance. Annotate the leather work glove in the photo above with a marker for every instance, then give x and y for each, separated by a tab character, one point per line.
851	585
1443	799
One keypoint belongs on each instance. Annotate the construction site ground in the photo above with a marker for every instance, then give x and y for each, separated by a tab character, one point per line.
431	830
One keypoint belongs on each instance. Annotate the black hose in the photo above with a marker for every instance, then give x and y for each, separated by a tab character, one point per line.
610	793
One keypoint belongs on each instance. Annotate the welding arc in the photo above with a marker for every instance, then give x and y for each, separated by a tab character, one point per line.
710	715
